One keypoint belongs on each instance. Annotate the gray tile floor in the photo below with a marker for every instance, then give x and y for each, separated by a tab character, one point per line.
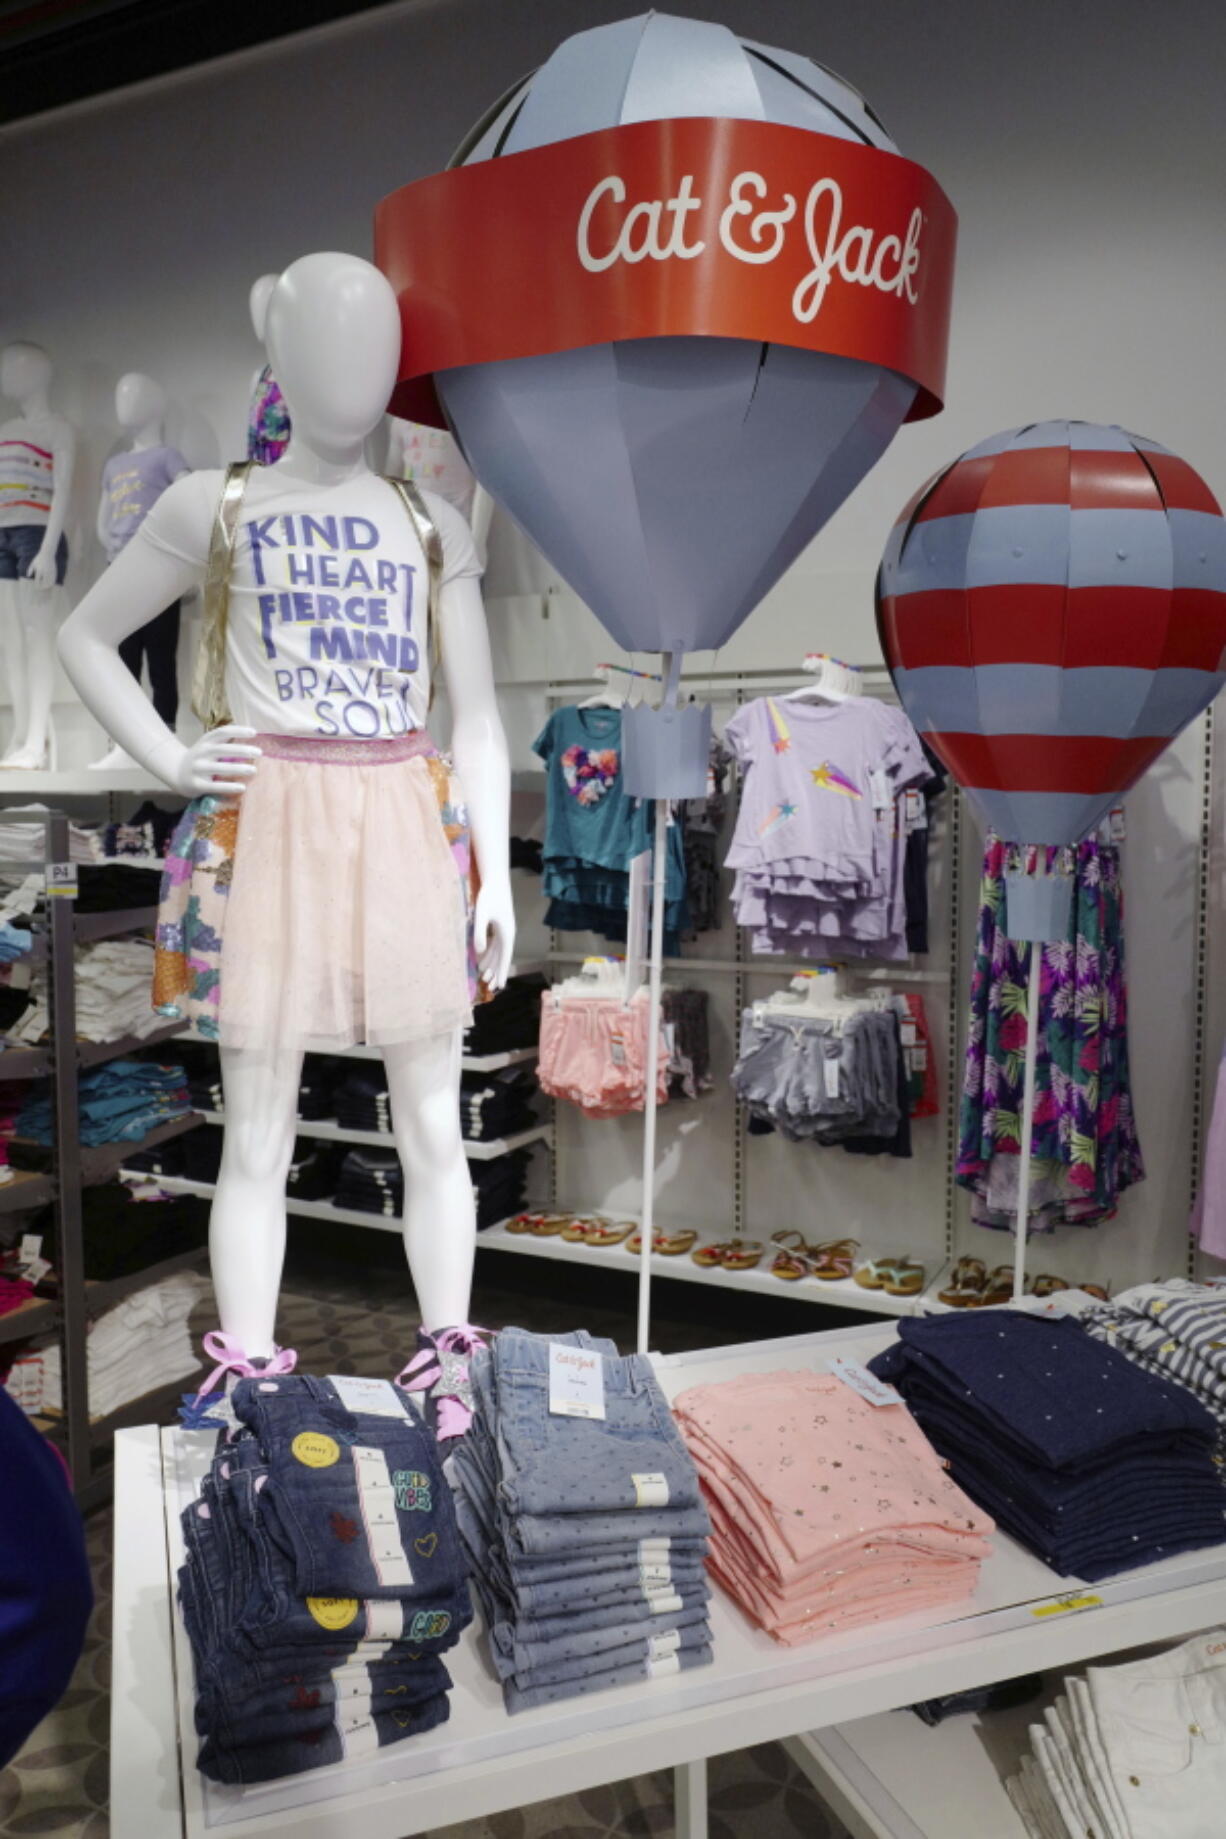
362	1320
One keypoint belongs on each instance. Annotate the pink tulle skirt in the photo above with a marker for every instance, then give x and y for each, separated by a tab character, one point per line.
347	918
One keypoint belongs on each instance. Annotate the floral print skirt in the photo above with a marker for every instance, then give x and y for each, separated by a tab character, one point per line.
1085	1151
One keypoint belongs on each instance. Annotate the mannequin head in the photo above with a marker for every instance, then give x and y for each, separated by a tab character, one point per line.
25	371
139	401
331	327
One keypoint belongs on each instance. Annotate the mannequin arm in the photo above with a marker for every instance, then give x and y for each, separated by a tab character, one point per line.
101	526
137	585
482	762
64	456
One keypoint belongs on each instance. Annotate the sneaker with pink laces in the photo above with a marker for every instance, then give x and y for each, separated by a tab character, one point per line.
233	1364
439	1374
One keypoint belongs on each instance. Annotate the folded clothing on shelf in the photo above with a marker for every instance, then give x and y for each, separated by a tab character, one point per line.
1132	1751
371	1181
111	887
114	981
497	1104
146	833
829	1513
585	1536
139	1346
120	1102
1093	1464
122	1231
1175	1330
510	1020
324	1580
23	836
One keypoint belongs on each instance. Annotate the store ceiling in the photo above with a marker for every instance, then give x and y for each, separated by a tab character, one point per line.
58	51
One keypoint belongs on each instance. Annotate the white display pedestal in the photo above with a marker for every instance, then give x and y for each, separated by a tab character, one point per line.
482	1761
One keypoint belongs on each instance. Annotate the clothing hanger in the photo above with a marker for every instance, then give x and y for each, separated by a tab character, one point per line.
833	681
598	976
623	687
813	995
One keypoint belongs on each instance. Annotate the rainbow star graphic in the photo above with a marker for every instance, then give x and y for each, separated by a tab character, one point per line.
776	817
783	734
830	779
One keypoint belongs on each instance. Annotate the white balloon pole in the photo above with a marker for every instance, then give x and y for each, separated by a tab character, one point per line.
1023	1175
655	982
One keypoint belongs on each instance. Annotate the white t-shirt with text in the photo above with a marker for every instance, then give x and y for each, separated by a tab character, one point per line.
329	590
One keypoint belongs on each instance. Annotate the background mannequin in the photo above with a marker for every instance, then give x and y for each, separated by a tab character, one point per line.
333	338
37	454
132	482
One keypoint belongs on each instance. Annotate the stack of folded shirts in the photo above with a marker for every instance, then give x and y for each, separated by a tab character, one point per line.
114	993
1176	1330
585	1536
137	1347
320	1073
371	1181
119	1103
509	1020
828	1512
500	1186
324	1580
23	837
1093	1464
314	1170
497	1104
1132	1750
115	886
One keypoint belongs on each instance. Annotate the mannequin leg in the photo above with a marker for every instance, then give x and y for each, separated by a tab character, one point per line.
38	608
247	1224
13	653
440	1217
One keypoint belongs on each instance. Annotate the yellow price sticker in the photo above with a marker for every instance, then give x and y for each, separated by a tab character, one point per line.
314	1450
333	1612
1067	1605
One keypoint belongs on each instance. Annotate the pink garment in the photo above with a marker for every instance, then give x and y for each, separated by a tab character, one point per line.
346	919
1209	1213
593	1052
827	1512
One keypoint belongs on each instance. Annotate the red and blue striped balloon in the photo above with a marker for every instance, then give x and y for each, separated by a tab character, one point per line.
1052	608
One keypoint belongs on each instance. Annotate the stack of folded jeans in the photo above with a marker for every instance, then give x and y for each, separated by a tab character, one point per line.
119	1103
829	1512
362	1101
1093	1464
314	1170
500	1186
585	1536
509	1020
371	1181
320	1075
497	1104
1132	1751
324	1579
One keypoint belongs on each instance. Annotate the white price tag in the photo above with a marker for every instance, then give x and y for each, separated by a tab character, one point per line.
915	811
908	1033
36	1270
650	1490
919	1059
662	1602
370	1397
660	1645
1117	825
858	1377
661	1575
830	1074
879	786
617	1050
31	1247
576	1383
668	1663
61	880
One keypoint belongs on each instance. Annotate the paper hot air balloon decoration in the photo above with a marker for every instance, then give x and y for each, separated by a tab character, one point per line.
1052	607
676	296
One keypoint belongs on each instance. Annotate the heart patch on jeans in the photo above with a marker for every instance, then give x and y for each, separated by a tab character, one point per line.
427	1545
589	774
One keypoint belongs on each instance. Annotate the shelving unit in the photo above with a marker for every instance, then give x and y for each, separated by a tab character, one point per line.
72	1167
328	1131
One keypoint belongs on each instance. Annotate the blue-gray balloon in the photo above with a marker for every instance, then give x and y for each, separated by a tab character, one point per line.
671	481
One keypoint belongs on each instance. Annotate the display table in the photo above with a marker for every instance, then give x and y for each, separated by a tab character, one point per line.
483	1761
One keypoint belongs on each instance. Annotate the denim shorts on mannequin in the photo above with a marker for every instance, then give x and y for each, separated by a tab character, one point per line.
20	543
357	1503
553	1465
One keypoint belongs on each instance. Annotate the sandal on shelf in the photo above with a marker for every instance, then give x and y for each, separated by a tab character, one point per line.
790	1240
730	1254
578	1229
792	1266
523	1222
550	1225
602	1233
896	1276
664	1244
967	1282
1099	1290
1047	1285
835	1260
999	1288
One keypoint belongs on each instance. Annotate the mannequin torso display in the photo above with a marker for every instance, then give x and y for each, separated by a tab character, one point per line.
132	483
37	456
366	946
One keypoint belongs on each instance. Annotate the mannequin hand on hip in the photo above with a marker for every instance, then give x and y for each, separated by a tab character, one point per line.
220	762
42	569
494	932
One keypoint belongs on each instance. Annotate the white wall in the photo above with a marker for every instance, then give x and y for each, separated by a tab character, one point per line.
1083	147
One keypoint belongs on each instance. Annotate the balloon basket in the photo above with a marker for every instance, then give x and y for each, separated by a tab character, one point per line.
666	751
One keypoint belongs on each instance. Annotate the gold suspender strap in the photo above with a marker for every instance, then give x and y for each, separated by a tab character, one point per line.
432	548
209	673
